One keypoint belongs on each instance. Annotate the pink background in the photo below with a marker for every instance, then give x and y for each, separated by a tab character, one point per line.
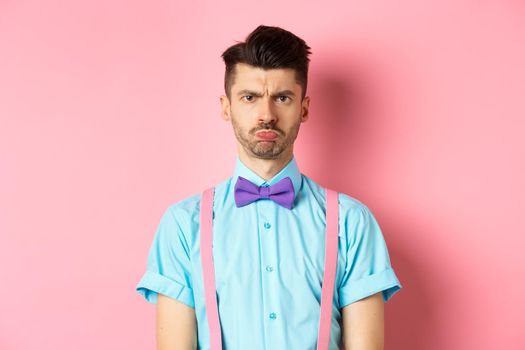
109	113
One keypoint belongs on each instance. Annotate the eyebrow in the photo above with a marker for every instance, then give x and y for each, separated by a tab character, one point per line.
284	93
249	92
258	94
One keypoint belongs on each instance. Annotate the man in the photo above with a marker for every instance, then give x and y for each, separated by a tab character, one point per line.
268	253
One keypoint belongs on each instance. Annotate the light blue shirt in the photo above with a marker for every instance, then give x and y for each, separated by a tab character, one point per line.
269	263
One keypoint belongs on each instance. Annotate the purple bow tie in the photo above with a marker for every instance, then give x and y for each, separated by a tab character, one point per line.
281	192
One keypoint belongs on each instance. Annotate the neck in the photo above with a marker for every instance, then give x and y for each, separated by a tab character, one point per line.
265	168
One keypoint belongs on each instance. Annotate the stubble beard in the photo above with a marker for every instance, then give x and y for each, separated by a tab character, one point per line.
265	149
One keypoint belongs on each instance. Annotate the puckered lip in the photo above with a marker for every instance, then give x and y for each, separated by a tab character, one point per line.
266	134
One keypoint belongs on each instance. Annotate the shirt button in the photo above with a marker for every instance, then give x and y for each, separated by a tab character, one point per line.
267	225
273	316
269	268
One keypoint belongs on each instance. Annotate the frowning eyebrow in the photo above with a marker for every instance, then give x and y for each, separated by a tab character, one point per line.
284	93
258	94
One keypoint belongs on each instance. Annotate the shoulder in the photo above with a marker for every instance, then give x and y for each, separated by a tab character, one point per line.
355	218
186	212
357	222
348	205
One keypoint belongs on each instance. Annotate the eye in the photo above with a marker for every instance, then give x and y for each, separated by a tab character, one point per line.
283	98
248	98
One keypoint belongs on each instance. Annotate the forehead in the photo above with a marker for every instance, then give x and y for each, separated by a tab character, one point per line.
247	76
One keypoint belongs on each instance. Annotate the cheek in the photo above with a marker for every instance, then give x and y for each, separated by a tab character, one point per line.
240	122
243	111
291	114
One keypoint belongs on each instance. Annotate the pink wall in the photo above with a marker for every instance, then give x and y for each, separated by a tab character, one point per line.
417	110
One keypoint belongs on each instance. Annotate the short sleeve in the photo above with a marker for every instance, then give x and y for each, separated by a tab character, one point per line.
169	267
367	264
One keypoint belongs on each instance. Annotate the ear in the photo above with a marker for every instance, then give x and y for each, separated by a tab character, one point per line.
225	108
305	105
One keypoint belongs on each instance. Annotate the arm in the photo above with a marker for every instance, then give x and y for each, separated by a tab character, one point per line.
176	325
363	324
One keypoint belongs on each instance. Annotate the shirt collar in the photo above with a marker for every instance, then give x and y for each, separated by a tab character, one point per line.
291	169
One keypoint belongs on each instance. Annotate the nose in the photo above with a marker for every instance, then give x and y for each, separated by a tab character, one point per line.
267	112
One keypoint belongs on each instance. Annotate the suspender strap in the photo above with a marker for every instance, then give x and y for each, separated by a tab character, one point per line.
208	271
330	264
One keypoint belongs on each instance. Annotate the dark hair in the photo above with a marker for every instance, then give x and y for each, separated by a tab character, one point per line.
269	48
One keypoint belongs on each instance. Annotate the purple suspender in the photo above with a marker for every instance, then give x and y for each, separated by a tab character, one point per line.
208	271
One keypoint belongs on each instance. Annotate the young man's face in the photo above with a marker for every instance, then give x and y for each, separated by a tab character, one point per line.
266	110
